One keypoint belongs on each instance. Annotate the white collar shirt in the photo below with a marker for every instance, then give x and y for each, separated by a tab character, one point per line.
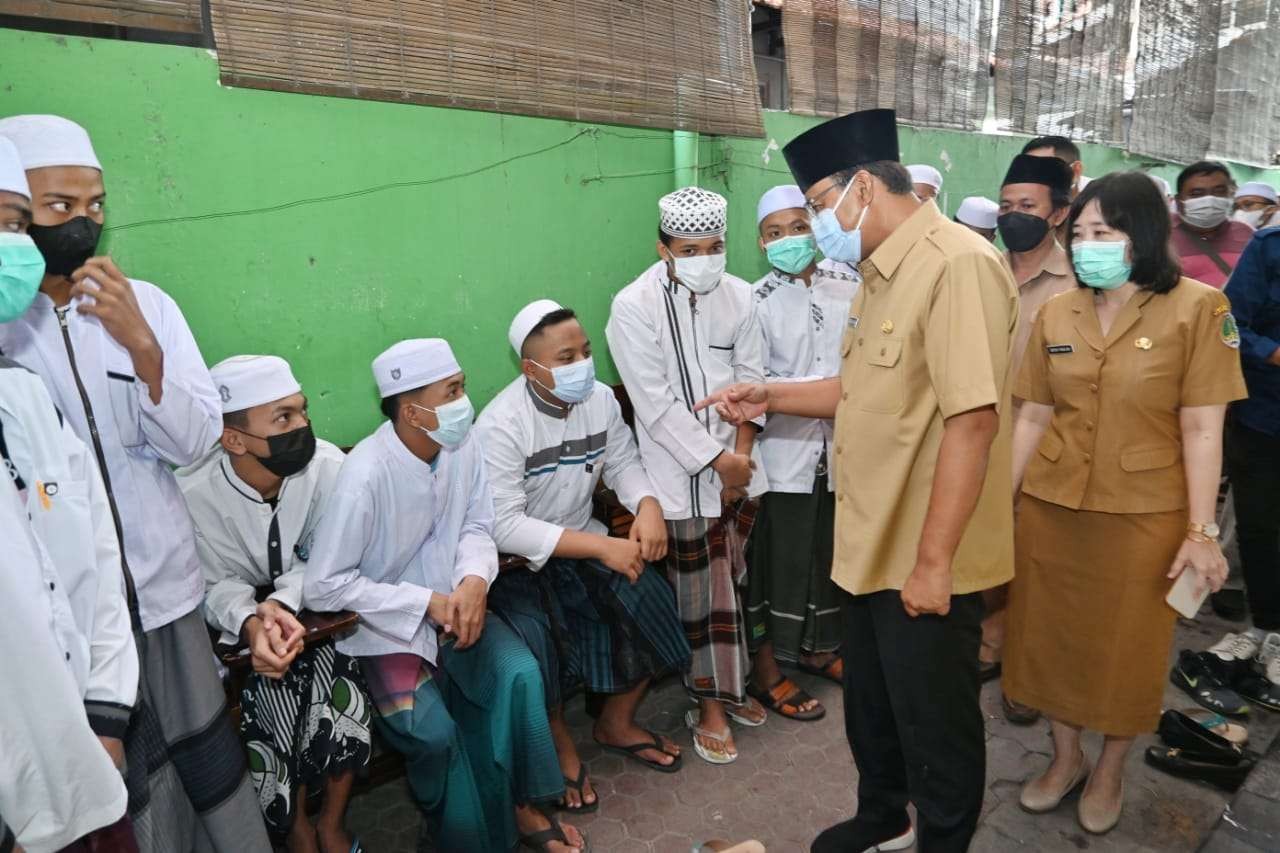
395	530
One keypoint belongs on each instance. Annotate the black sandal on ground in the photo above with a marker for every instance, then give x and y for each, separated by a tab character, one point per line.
633	752
832	670
538	841
579	785
786	698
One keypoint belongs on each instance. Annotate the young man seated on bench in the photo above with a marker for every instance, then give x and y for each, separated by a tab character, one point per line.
586	606
255	499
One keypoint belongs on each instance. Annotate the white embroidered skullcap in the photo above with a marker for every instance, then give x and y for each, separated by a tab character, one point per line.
245	381
49	141
784	197
1161	184
925	174
978	211
692	212
13	178
413	364
528	317
1248	188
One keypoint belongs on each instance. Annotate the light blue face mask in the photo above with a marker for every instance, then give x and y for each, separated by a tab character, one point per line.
454	422
792	254
573	383
21	269
1101	264
835	242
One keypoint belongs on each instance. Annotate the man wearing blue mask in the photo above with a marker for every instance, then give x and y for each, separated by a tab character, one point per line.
586	604
923	469
793	608
406	541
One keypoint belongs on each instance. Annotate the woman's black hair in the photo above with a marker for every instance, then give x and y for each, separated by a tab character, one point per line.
1130	202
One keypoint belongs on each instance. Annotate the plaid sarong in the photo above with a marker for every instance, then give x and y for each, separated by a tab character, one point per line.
706	564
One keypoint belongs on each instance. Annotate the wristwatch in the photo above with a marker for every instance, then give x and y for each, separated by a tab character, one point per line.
1209	532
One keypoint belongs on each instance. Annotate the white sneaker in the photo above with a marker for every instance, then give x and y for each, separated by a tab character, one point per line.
1236	647
1269	657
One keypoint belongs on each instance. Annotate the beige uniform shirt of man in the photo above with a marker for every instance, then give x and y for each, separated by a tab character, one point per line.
930	336
1055	276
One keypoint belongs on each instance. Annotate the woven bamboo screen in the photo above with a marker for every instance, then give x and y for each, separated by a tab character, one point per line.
925	59
1060	67
181	16
683	64
1247	96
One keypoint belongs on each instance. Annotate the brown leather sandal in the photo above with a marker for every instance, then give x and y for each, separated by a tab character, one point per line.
787	698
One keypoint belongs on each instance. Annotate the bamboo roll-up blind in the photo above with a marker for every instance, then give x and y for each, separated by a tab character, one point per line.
1246	101
1060	67
681	64
926	59
182	16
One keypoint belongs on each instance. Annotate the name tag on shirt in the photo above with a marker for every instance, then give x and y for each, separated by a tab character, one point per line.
1060	349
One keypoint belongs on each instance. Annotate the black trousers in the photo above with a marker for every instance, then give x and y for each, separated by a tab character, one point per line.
1253	464
912	716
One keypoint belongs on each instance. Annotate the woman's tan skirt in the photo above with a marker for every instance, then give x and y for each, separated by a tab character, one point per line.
1088	627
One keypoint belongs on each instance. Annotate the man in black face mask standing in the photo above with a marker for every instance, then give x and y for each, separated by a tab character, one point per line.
124	370
1035	198
255	499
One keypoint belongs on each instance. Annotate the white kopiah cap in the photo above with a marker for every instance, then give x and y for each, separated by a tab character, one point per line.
978	211
924	174
1248	188
49	141
528	317
245	381
1162	185
692	212
785	197
13	178
412	364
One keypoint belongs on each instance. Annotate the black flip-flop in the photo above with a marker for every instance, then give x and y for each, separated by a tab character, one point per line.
538	841
578	785
633	752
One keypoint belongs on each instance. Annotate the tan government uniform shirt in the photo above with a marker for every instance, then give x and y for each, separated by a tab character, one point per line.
1054	276
930	334
1115	441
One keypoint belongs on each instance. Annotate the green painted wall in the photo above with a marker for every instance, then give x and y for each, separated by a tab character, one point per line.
325	229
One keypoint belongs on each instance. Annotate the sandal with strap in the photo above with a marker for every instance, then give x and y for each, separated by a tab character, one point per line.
720	756
787	699
539	841
832	670
579	785
633	752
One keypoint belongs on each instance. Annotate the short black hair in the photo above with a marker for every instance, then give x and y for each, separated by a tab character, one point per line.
1063	148
1059	197
891	173
236	420
554	318
1131	202
664	238
1203	167
390	407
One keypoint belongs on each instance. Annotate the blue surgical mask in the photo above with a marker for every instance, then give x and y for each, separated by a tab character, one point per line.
573	382
835	242
454	422
1101	264
792	254
21	269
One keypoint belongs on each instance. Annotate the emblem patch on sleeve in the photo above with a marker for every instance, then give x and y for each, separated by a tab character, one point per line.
1230	331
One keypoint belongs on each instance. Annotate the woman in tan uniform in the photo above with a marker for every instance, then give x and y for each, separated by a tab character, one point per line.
1125	384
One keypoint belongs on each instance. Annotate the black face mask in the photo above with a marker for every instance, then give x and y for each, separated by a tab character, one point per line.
67	246
1022	232
290	451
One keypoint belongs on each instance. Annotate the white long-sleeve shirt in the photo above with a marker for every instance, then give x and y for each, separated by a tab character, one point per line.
544	462
56	781
67	507
802	328
245	542
673	349
140	440
395	530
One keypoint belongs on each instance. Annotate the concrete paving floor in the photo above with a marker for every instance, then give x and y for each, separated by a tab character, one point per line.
793	779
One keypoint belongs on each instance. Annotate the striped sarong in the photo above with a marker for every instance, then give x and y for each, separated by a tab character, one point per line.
588	626
706	563
302	728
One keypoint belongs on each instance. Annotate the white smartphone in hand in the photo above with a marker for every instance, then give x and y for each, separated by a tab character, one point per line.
1183	596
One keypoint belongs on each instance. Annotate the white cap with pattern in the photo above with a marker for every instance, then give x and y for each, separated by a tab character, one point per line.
413	364
245	381
692	212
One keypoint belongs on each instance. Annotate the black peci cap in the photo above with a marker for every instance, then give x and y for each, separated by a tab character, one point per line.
842	143
1050	171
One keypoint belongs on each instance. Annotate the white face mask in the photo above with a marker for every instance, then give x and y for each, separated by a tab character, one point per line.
701	273
1252	218
1207	211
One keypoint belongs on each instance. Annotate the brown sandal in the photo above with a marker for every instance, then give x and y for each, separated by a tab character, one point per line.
787	698
832	670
